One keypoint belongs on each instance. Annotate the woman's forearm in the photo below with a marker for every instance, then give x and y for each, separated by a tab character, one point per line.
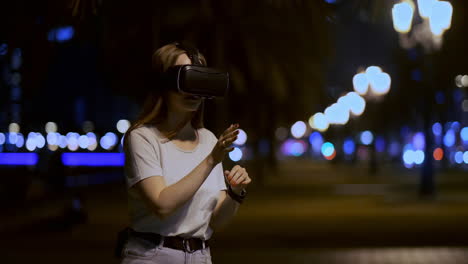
174	196
224	212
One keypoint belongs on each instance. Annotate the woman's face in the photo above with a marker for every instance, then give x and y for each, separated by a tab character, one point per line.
183	102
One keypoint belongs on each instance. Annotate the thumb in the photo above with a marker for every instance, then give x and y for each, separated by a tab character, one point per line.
226	172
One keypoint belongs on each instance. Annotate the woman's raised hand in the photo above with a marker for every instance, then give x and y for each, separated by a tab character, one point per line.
223	145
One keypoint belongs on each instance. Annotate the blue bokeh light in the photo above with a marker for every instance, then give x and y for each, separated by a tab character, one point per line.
418	157
235	154
367	137
93	159
437	129
328	149
349	146
459	157
449	138
380	144
316	141
25	159
464	134
419	141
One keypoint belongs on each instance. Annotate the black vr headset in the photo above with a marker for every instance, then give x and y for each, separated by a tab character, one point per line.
195	79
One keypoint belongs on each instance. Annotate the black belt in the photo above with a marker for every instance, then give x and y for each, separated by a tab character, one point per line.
175	242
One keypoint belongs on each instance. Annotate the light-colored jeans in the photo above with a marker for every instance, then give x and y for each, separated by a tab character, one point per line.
140	251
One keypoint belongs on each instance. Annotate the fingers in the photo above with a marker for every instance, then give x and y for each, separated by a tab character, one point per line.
228	132
237	175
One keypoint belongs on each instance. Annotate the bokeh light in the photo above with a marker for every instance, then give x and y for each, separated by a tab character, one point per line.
356	103
437	129
337	114
459	157
380	83
438	154
425	7
316	141
293	147
449	138
349	146
440	18
360	83
14	128
53	138
419	141
20	141
464	134
298	129
83	141
123	125
241	138
367	137
402	14
319	122
235	154
328	149
51	127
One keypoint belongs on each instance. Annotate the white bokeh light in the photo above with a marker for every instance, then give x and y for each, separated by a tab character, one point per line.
92	141
51	127
63	142
425	7
241	138
83	141
123	125
360	83
20	141
337	114
298	129
440	19
319	122
14	128
30	144
402	14
380	83
53	138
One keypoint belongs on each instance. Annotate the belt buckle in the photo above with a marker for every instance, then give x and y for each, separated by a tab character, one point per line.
186	244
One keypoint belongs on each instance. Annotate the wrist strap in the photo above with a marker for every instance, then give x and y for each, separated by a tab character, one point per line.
235	196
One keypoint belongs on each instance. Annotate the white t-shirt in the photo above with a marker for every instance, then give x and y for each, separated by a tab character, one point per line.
148	154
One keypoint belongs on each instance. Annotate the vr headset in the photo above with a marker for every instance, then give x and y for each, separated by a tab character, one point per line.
195	79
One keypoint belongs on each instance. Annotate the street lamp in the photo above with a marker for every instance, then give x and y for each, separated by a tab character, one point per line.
435	19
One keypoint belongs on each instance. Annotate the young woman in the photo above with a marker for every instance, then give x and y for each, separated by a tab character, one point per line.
177	192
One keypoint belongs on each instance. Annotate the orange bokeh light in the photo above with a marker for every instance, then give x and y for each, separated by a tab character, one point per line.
438	154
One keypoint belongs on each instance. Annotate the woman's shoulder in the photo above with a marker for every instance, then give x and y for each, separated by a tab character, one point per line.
145	132
208	134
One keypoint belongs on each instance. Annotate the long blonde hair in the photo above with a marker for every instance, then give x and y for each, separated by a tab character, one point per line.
155	107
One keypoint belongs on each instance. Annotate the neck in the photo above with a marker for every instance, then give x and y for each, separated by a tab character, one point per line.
173	119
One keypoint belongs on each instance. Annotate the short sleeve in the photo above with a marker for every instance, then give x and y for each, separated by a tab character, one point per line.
141	158
219	182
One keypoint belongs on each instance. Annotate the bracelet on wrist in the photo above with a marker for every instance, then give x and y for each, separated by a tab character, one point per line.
236	197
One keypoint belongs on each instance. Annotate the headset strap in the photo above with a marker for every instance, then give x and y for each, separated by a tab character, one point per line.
191	51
